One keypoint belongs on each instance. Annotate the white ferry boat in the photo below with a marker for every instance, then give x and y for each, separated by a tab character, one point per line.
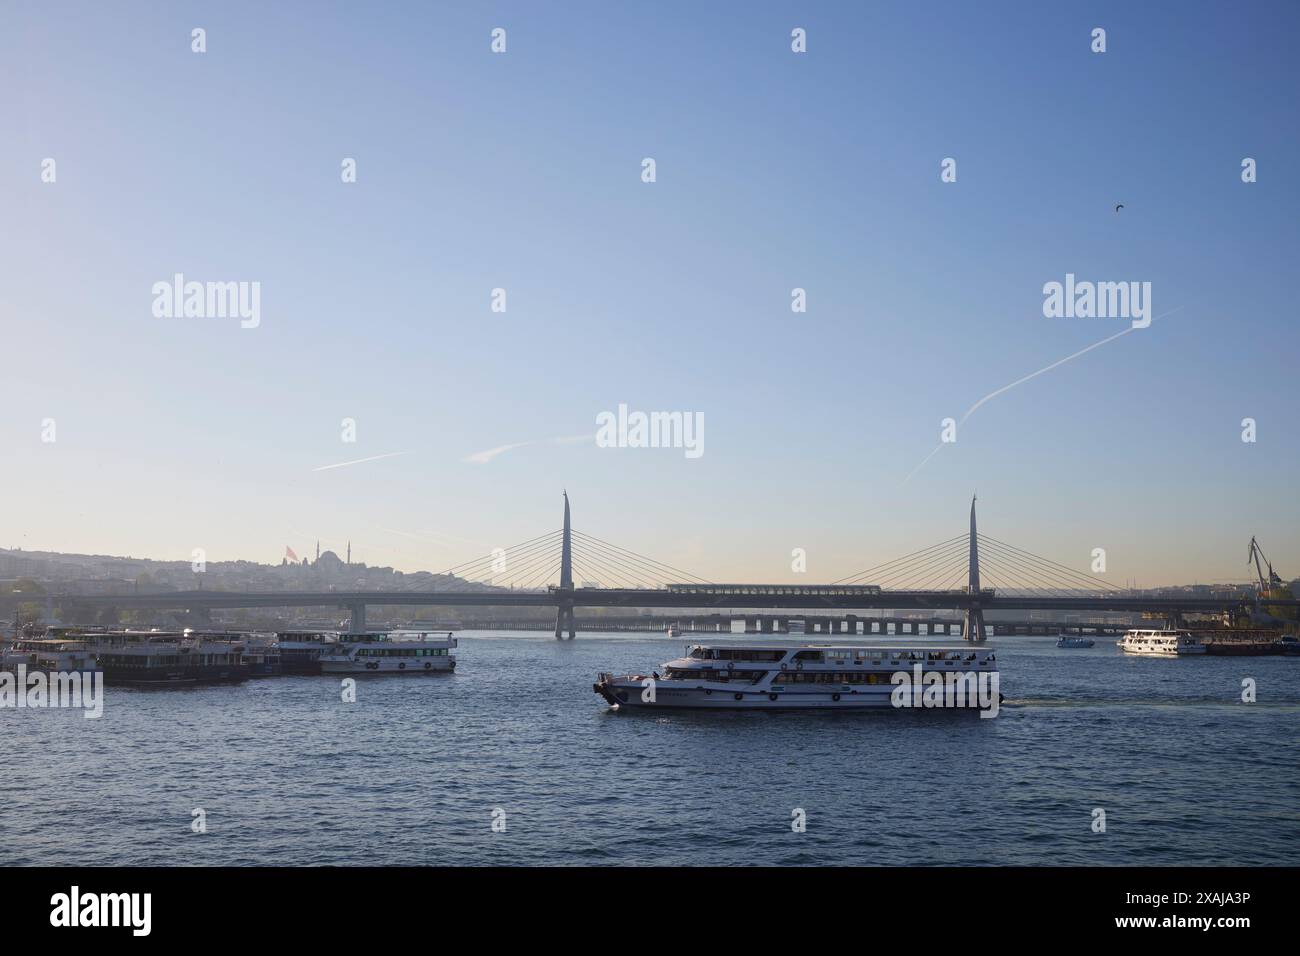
49	655
390	652
768	677
1160	643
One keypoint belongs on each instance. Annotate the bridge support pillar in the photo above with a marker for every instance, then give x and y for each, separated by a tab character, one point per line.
358	622
851	622
765	624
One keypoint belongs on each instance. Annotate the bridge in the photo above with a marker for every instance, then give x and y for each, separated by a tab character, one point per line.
970	573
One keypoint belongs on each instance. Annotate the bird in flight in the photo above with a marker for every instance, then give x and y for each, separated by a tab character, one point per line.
1119	206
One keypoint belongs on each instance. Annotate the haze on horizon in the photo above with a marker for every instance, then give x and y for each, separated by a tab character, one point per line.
775	171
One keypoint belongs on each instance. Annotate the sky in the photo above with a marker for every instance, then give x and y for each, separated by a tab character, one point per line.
774	170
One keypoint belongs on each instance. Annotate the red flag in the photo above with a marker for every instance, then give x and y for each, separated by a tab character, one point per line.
288	553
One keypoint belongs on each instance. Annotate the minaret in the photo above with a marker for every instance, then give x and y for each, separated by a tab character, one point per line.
317	549
349	562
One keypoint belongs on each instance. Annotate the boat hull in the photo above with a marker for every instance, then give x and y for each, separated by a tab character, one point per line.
299	667
176	676
632	696
1155	652
443	666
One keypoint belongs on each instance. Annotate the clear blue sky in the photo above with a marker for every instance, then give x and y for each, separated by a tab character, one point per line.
775	170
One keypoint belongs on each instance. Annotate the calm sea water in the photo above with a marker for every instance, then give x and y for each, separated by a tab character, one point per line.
412	772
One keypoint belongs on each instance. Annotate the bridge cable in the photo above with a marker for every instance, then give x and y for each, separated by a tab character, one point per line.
624	574
1060	575
1087	581
880	568
656	568
612	564
616	573
915	569
648	566
454	570
1020	576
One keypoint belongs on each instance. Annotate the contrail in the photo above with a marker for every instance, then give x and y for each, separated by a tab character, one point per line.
1020	381
483	457
358	461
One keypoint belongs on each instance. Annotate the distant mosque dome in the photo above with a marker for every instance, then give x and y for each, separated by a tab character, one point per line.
329	557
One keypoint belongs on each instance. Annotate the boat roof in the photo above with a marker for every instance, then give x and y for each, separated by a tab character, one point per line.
171	635
774	646
43	641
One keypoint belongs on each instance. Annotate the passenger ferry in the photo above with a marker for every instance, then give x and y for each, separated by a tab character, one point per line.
767	677
300	651
157	658
1160	643
391	652
49	655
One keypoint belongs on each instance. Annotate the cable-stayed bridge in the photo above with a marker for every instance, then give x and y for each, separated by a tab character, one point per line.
566	569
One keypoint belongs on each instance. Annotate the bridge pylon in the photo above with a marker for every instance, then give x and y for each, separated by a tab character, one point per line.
973	628
564	612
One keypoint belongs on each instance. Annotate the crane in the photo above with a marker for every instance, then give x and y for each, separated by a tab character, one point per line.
1255	554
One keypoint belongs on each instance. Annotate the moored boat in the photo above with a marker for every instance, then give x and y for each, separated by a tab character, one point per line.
812	676
159	658
263	659
391	652
300	651
49	655
1230	645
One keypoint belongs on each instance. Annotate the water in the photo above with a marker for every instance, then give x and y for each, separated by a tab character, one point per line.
411	774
